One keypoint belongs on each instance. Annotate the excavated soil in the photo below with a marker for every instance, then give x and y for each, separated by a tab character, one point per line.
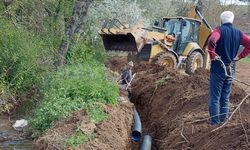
116	63
174	111
113	133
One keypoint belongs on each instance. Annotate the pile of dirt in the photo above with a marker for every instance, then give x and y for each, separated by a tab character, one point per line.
116	63
174	111
113	133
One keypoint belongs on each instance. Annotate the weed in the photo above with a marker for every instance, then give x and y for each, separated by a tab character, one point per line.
76	139
96	114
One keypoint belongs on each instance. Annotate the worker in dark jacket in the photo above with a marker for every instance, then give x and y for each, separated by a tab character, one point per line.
223	44
126	78
127	73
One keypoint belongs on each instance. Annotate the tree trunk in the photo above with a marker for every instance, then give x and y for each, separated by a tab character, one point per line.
80	10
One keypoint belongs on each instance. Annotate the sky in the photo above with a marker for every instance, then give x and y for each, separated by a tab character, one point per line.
228	2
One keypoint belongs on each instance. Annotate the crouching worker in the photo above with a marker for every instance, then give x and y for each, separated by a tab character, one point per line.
127	77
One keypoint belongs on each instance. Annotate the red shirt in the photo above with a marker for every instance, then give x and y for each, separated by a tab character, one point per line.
215	36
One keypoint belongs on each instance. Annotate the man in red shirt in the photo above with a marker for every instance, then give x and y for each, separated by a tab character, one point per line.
224	43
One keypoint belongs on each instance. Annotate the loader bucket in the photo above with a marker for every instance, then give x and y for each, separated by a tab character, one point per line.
119	42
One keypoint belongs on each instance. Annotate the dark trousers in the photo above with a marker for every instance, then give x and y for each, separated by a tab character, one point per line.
219	94
129	93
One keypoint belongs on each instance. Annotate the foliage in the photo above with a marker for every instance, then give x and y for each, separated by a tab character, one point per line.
164	8
19	58
108	9
76	139
6	107
72	88
82	52
40	16
96	113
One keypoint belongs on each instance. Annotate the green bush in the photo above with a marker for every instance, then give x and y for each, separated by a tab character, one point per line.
19	55
82	52
72	88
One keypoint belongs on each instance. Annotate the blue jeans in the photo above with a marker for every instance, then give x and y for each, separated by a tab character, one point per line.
219	94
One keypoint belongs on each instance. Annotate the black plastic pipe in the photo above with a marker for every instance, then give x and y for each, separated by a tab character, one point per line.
137	128
147	142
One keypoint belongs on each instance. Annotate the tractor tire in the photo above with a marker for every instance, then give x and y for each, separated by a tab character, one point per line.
167	59
194	61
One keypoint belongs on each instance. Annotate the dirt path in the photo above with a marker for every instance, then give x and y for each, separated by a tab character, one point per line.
243	74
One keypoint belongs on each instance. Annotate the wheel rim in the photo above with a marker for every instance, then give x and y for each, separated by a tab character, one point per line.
197	64
168	62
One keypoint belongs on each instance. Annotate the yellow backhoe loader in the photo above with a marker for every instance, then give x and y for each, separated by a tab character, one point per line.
174	41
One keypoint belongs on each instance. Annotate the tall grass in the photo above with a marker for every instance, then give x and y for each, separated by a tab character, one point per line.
18	58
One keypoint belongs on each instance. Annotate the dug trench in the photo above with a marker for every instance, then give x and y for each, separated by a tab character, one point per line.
174	110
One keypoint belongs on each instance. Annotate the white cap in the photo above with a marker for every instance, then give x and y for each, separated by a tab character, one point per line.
227	17
131	64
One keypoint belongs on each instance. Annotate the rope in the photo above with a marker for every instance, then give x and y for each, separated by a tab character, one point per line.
218	58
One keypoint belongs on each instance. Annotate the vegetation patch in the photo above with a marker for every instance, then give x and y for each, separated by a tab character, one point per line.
72	88
19	62
78	138
246	60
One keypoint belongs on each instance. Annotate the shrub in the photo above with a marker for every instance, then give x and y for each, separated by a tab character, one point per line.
72	88
18	58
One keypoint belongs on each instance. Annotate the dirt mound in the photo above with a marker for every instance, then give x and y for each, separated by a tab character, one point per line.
173	110
116	63
113	133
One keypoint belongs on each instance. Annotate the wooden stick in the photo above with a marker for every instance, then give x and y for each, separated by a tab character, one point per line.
130	81
238	107
182	133
243	127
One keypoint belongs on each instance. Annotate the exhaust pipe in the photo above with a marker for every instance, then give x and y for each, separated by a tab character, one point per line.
147	142
137	128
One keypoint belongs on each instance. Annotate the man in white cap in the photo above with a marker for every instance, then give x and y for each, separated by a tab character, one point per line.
224	43
126	77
